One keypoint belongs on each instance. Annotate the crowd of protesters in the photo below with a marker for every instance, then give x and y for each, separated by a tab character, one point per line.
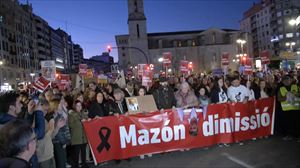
52	120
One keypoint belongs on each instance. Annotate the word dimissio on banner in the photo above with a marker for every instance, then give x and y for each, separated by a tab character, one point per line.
214	125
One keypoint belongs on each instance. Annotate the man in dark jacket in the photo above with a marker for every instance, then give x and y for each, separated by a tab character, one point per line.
164	95
17	144
12	107
119	105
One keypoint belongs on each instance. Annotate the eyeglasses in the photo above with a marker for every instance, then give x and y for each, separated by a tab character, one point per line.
33	139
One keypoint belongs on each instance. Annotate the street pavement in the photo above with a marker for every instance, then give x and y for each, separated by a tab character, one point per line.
262	153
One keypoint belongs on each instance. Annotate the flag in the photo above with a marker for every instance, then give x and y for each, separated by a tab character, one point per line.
120	81
193	114
204	110
180	113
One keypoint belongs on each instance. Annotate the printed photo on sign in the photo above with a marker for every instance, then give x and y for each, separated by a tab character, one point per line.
48	70
133	104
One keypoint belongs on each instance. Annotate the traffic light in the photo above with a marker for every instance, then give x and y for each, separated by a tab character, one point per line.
243	60
147	67
108	48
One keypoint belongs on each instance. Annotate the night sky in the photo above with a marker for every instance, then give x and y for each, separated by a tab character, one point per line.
94	23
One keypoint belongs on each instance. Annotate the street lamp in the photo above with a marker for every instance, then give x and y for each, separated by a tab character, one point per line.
160	59
241	42
290	44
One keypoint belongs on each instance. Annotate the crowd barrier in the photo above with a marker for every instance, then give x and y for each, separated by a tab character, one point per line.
156	132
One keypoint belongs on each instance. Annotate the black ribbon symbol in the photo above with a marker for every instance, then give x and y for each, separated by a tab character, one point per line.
104	139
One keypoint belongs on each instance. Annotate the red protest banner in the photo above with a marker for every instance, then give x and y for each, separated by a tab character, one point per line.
167	57
265	57
128	136
147	78
64	81
225	59
82	69
184	68
248	67
141	68
41	84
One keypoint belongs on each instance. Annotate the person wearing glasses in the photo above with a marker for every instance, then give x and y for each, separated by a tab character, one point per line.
17	144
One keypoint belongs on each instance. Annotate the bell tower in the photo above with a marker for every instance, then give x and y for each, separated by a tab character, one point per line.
137	28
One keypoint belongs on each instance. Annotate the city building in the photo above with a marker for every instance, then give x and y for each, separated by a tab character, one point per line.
58	50
18	54
286	37
105	57
257	22
267	22
77	57
99	66
202	47
25	40
43	38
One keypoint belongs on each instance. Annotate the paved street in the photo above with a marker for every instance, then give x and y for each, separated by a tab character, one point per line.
271	152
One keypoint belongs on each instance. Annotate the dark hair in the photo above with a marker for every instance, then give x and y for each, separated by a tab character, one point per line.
69	101
216	84
8	99
142	87
74	104
14	137
95	97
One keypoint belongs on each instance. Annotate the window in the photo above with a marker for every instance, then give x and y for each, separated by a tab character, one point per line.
138	30
280	36
289	35
278	14
213	37
279	21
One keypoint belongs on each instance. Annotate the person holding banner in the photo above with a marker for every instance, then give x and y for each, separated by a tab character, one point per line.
203	96
250	90
219	92
164	95
185	97
118	106
78	139
142	91
97	108
237	92
288	96
262	92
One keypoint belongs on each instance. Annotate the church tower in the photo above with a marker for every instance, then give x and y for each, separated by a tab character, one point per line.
138	39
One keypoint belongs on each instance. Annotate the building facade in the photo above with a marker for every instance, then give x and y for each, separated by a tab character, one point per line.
58	50
267	22
202	47
26	39
77	57
18	51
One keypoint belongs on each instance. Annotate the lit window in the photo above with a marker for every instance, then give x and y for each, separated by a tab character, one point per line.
289	35
280	36
278	14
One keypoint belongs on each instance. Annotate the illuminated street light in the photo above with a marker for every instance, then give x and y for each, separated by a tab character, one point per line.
1	62
160	59
290	44
292	22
